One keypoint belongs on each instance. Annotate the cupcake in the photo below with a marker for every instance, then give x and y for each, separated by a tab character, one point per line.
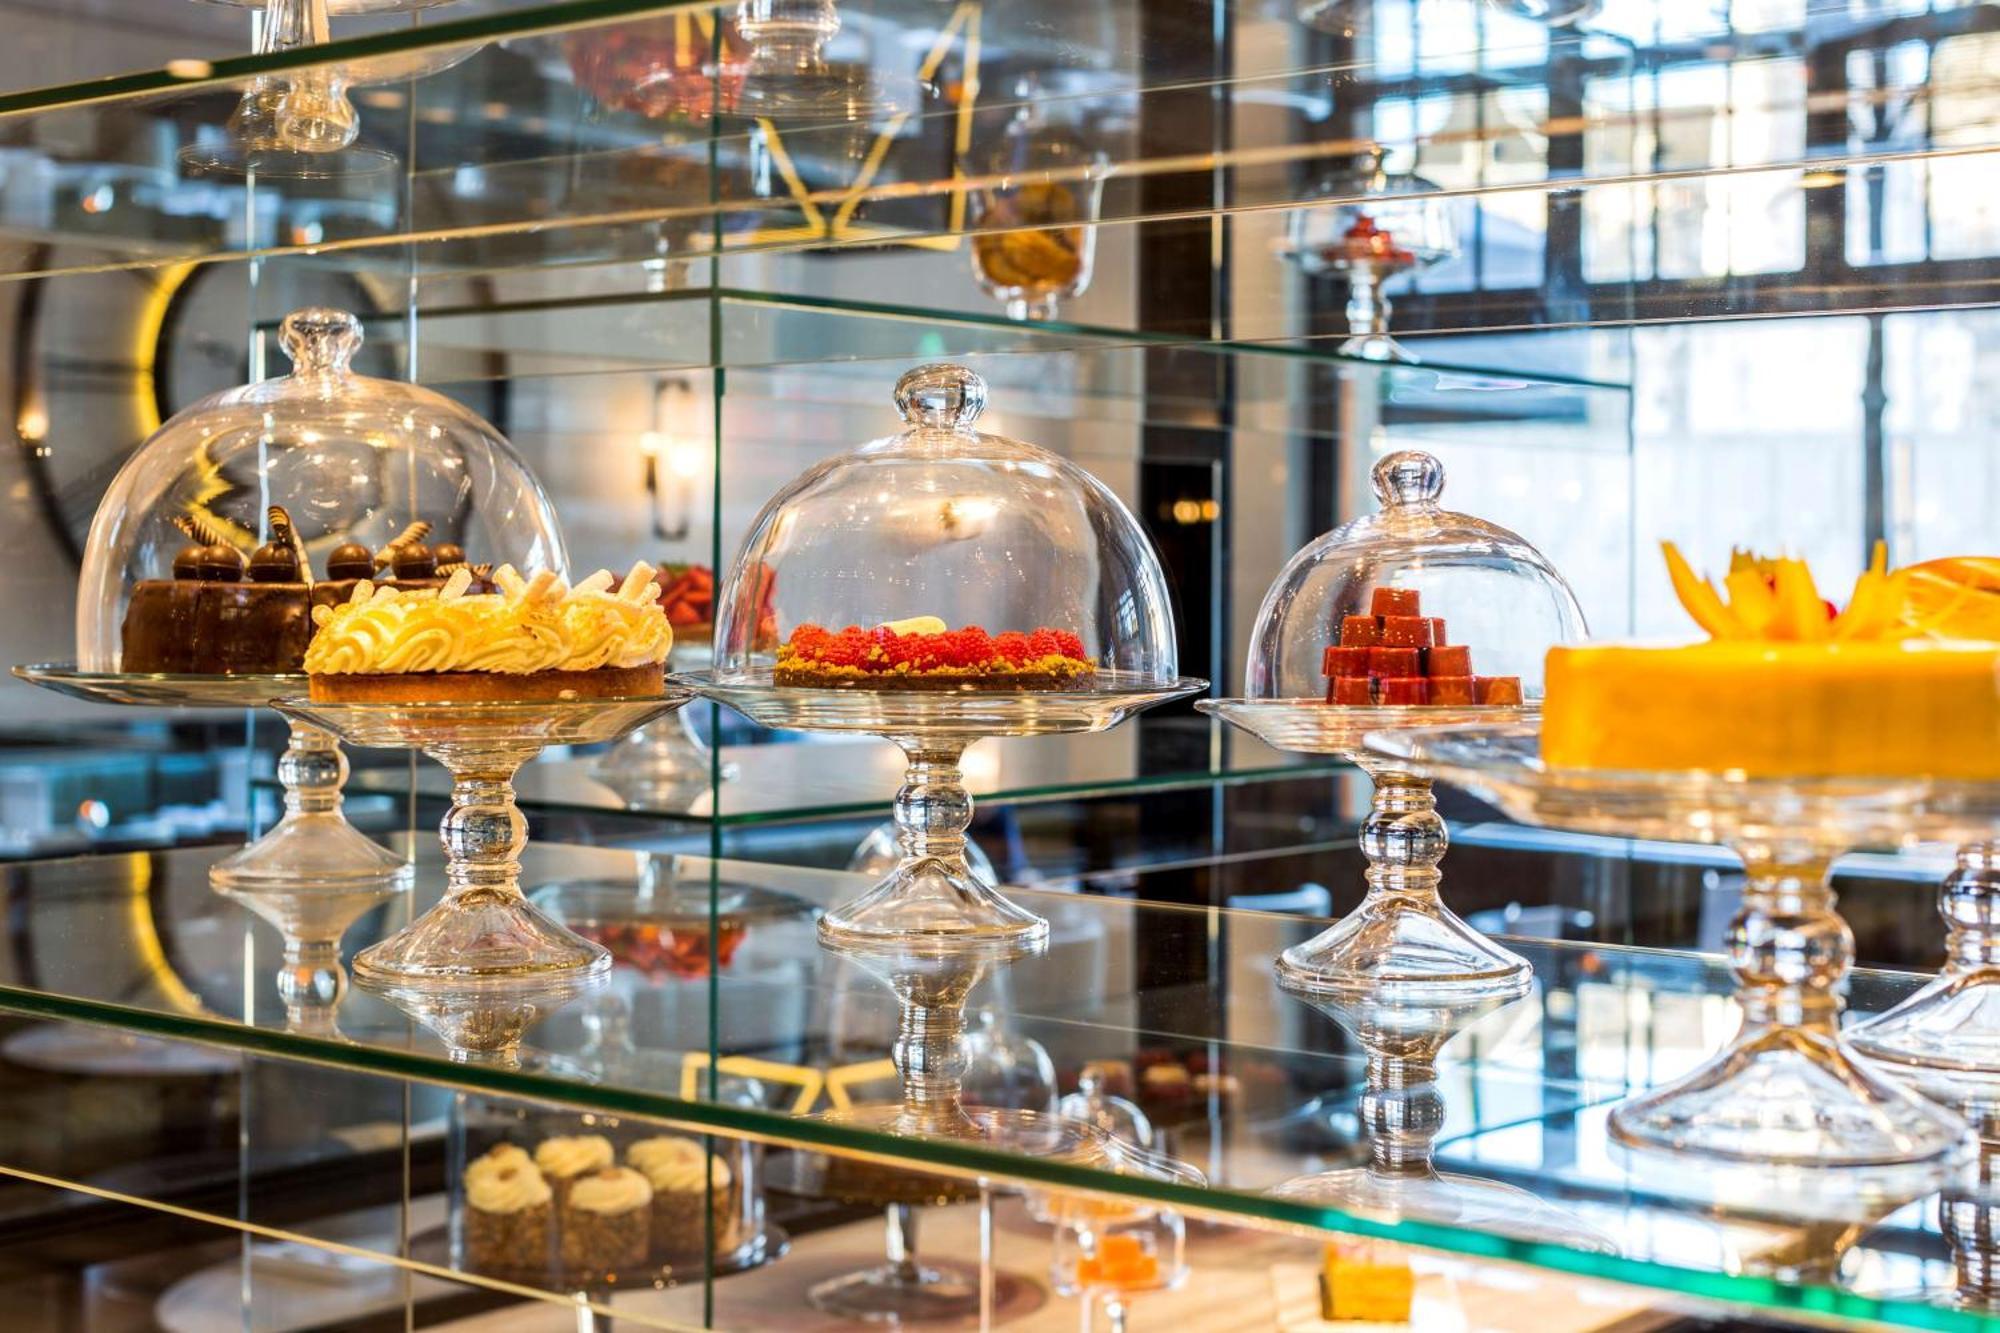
673	1166
509	1213
562	1159
607	1222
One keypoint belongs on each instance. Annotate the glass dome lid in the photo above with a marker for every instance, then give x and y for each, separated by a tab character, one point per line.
957	539
322	463
1413	604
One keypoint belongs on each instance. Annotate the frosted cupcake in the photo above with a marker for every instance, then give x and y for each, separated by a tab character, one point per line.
607	1223
494	1158
509	1214
564	1159
673	1167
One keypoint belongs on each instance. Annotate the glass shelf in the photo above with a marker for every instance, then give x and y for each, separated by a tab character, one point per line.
502	162
138	943
830	780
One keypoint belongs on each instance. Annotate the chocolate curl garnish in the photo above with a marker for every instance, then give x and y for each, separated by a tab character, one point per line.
480	572
641	575
546	586
409	536
198	529
455	586
283	530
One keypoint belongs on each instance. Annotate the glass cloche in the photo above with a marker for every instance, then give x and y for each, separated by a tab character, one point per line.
935	587
351	461
1412	616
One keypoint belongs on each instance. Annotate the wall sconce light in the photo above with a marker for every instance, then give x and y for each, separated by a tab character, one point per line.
675	461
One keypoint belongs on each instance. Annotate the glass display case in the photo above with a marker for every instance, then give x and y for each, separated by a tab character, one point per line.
1708	274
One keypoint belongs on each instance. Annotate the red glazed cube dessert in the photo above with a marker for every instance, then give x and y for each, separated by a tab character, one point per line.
1497	689
1452	660
1405	690
1437	630
1394	602
1360	632
1452	690
1350	690
1342	661
1395	662
1406	632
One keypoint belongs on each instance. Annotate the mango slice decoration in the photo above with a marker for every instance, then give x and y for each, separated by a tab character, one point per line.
1956	598
1776	601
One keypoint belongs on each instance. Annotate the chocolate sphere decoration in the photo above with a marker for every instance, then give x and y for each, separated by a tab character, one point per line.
274	562
187	561
449	553
350	560
221	562
415	561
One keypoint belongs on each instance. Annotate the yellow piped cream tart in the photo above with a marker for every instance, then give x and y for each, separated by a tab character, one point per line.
534	639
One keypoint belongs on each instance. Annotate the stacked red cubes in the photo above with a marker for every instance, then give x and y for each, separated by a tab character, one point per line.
1398	655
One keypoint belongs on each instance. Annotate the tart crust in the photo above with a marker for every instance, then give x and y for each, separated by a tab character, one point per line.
490	686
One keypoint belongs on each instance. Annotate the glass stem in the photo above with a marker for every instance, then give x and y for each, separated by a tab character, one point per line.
312	770
483	832
1970	904
311	983
1788	946
1026	308
1367	307
929	1053
901	1238
1404	838
1401	1113
932	808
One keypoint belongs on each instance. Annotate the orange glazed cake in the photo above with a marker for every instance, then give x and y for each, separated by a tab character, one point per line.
534	639
1787	685
922	654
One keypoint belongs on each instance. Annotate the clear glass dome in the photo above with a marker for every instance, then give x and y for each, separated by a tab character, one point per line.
943	523
1409	580
353	462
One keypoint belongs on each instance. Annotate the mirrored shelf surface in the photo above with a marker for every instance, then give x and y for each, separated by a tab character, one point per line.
1260	1090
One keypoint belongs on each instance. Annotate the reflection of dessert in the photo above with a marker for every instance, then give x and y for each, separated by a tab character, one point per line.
921	654
1118	1260
509	1214
1397	655
221	614
565	1159
1367	243
664	951
1046	260
534	639
1782	689
1366	1280
681	1172
687	595
659	67
607	1221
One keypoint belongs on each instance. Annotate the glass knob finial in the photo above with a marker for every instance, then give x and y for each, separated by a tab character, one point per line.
941	395
320	338
1408	476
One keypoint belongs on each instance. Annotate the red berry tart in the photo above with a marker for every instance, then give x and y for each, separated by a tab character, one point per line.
921	654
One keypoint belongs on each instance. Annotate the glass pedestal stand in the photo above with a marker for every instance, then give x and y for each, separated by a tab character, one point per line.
1788	1091
312	847
1945	1039
311	921
932	894
1401	1112
483	1022
1402	945
932	978
482	930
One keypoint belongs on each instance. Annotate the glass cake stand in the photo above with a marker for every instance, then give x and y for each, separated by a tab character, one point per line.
932	894
312	847
1402	945
483	930
1789	1090
483	1020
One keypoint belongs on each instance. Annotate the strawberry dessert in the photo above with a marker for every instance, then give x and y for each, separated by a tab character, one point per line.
922	654
1398	655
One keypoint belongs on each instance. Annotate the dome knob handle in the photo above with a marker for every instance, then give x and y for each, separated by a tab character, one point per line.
320	338
1408	476
942	395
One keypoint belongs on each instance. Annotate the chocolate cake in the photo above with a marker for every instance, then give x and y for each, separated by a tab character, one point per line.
218	616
